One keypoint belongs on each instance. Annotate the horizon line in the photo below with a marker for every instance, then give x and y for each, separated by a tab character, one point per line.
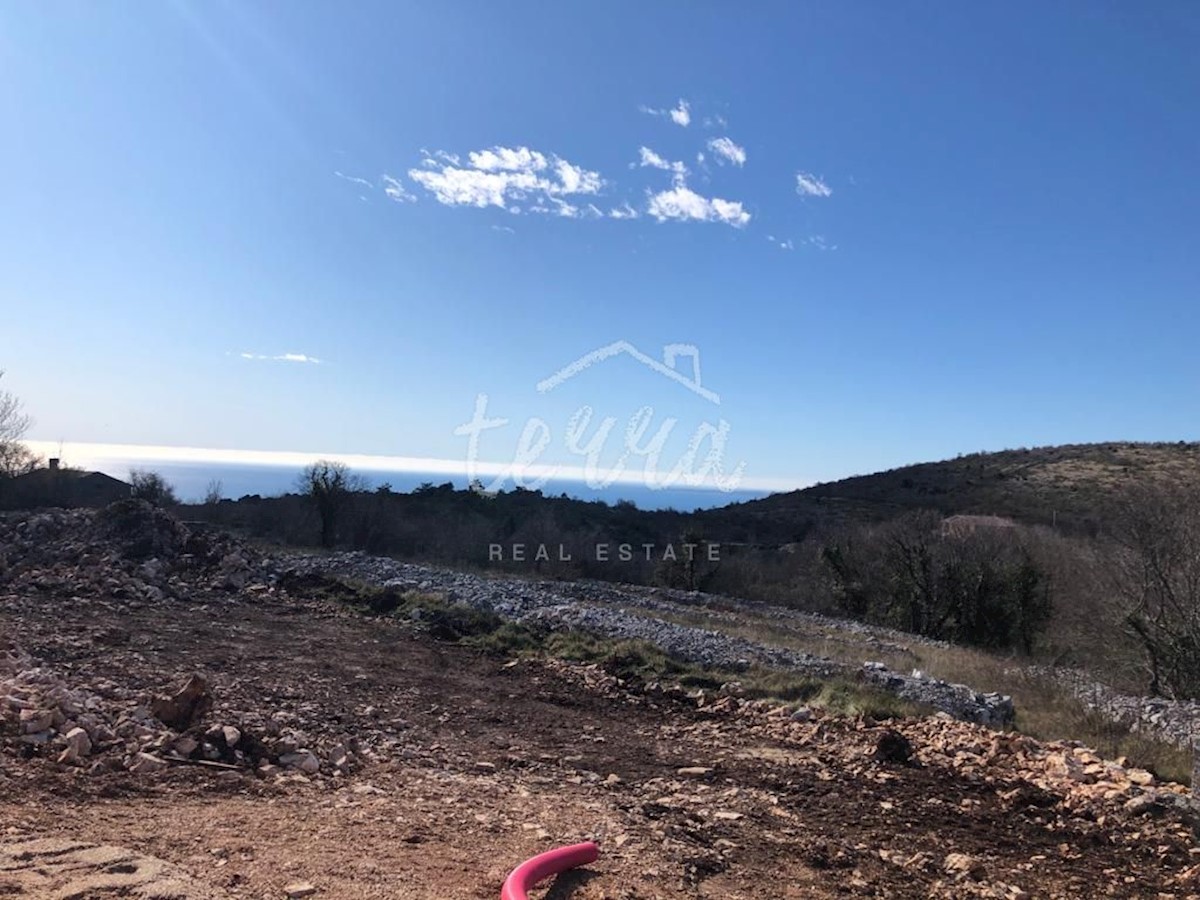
93	454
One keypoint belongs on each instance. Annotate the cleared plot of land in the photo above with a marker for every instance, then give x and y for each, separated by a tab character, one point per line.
471	763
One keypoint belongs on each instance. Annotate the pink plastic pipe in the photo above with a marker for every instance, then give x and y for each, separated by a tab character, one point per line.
542	866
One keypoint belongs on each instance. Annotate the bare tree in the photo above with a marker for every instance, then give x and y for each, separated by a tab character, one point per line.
214	493
330	485
15	457
1156	568
153	488
984	589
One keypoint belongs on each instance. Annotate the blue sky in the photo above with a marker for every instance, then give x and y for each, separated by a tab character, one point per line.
915	231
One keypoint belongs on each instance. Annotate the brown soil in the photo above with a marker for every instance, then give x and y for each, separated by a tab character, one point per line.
480	763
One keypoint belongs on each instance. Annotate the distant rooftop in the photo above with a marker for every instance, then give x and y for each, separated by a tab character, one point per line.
58	486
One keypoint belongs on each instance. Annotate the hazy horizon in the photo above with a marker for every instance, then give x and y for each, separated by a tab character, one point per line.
191	471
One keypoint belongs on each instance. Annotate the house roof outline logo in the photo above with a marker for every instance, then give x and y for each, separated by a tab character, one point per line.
667	367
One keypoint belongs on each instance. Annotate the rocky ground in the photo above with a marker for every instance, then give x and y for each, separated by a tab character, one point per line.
174	723
602	608
1174	721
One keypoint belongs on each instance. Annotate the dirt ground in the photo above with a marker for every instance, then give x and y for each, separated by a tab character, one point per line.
473	763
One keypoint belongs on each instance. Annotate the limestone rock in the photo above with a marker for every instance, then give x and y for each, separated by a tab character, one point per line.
304	760
78	743
960	866
145	762
184	707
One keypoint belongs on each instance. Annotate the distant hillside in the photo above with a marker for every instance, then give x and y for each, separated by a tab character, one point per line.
1068	485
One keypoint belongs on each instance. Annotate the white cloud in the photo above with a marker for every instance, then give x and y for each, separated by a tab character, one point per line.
680	114
624	211
576	179
395	190
781	243
727	150
652	160
354	180
283	357
507	159
683	204
715	122
808	185
818	242
502	176
503	228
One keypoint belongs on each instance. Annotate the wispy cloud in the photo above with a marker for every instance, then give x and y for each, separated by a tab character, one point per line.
682	204
781	243
556	206
624	211
680	114
727	151
354	179
283	357
431	157
818	242
809	185
652	160
395	190
503	228
715	121
508	178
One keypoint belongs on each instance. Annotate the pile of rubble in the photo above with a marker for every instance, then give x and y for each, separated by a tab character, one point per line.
42	714
105	729
958	700
128	550
1067	769
50	715
1174	721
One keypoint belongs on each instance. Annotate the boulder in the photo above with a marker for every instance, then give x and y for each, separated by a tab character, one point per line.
304	760
78	743
184	707
894	747
146	762
35	720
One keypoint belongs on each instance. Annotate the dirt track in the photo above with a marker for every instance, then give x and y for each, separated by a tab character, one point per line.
480	763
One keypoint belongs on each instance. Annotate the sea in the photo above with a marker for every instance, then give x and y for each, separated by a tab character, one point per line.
192	481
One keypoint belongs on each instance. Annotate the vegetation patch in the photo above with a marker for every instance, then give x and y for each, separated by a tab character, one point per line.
431	613
635	662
